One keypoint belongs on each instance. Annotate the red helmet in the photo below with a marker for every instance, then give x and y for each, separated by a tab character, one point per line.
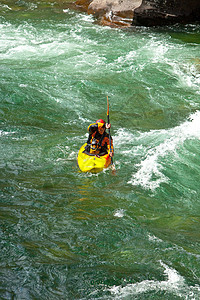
101	121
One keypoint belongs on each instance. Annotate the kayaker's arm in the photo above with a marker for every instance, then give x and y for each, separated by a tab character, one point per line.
92	128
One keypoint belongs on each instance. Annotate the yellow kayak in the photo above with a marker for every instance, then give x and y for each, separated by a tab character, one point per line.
92	163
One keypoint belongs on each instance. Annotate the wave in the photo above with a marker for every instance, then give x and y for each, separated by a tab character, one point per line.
155	145
174	284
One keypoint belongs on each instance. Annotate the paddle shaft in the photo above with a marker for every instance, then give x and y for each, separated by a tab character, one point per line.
108	118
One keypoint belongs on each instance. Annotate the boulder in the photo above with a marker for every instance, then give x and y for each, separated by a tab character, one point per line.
120	13
114	13
159	12
114	5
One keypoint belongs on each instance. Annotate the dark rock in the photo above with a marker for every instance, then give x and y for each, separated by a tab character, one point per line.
120	13
166	12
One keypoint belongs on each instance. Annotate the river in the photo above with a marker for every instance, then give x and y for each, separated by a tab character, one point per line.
71	235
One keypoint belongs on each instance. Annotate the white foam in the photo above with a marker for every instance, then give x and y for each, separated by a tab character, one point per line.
153	238
5	6
123	137
127	58
24	41
87	18
72	155
149	174
23	85
174	283
2	133
119	213
85	120
187	74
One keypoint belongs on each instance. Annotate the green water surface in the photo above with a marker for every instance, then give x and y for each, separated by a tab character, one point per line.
72	235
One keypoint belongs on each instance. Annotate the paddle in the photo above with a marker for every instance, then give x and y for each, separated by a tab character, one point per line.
112	163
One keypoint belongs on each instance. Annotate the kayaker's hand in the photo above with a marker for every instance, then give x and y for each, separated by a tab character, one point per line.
108	126
111	154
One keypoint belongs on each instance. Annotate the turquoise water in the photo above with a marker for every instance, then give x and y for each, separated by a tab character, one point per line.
70	235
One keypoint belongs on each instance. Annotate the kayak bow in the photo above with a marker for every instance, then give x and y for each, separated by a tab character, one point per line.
92	163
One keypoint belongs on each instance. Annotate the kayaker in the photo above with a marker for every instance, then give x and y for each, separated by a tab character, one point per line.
98	141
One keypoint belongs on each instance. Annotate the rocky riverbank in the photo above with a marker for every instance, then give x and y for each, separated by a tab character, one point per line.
120	13
123	13
115	13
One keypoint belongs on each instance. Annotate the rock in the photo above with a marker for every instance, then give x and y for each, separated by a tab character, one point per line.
159	12
123	13
114	5
114	13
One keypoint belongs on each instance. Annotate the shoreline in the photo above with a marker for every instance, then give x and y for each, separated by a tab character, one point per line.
110	12
119	13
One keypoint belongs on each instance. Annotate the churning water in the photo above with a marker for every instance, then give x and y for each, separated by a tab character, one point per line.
70	235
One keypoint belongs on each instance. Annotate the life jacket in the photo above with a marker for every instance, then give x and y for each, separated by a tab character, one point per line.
97	143
94	144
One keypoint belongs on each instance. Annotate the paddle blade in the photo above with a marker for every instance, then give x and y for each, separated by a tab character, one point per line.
113	169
